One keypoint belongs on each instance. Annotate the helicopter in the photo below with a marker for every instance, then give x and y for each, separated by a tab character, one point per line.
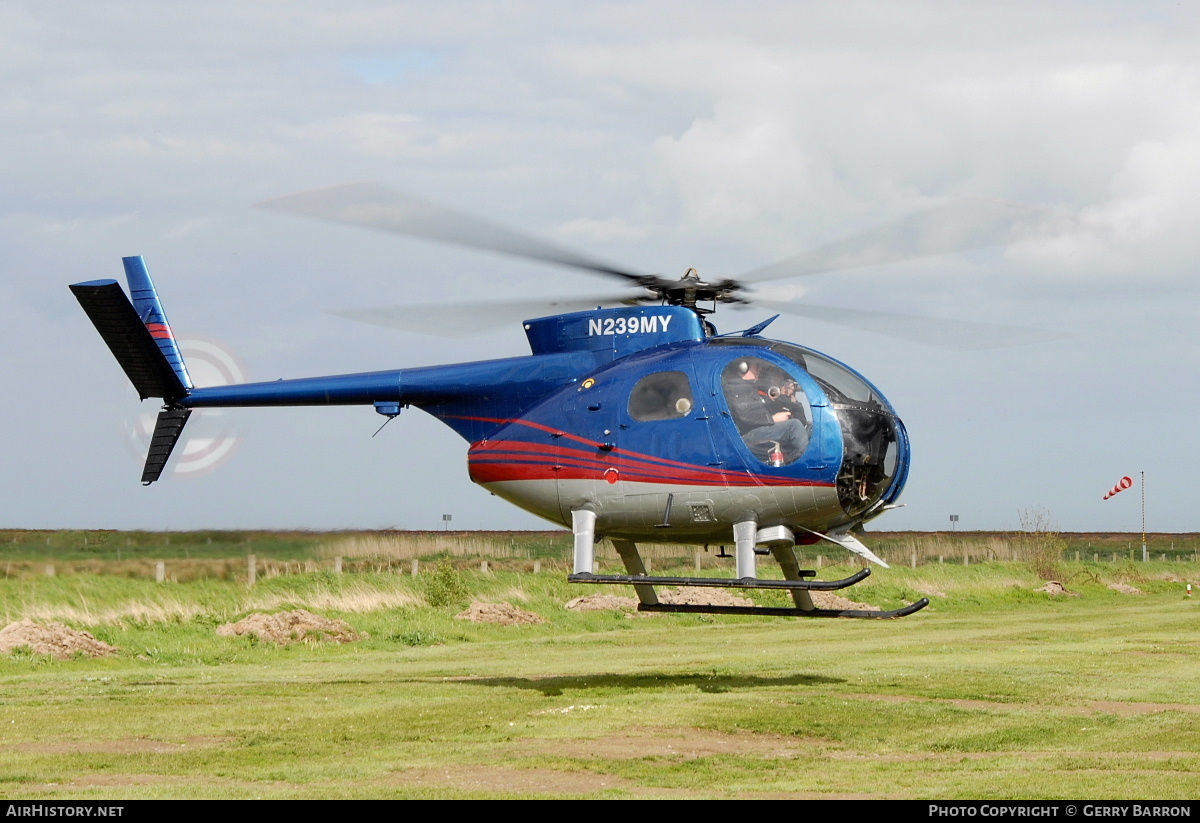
632	418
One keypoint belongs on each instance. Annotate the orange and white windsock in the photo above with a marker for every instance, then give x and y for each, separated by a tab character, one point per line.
1124	484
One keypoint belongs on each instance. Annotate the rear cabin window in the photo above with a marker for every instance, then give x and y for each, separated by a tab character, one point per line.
666	395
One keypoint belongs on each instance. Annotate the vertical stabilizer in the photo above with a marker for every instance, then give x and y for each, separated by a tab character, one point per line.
149	309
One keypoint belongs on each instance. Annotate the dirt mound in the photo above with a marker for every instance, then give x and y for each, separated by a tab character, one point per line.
297	626
502	614
601	602
53	639
1054	587
702	597
1124	588
829	600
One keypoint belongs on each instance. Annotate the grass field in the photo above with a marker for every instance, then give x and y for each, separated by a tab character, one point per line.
994	691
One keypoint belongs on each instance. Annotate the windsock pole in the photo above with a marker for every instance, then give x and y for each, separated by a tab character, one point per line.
1145	555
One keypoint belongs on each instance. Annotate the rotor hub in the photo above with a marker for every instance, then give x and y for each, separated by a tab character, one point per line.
689	290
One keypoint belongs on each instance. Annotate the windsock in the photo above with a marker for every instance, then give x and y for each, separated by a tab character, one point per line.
1125	483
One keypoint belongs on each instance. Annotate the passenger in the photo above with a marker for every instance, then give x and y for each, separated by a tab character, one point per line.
766	414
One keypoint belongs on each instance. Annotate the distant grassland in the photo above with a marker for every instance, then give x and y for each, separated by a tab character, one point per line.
222	554
994	691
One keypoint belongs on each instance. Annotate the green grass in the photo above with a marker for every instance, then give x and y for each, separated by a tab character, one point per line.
994	691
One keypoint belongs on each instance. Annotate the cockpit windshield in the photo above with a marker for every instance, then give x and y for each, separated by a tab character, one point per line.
842	384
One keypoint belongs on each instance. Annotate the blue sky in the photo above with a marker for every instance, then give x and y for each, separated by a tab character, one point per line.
659	135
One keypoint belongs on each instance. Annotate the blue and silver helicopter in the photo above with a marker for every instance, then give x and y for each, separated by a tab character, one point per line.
638	421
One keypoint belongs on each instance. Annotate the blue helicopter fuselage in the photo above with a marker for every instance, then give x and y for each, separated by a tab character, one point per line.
640	415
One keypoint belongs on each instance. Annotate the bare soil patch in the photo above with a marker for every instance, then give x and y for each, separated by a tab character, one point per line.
1124	588
299	626
53	639
500	614
702	597
1054	587
601	602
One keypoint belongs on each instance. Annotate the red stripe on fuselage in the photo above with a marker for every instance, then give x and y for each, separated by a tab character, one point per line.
483	444
520	460
616	457
502	464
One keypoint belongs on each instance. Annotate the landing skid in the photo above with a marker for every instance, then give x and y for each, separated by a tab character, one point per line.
723	582
767	611
748	538
751	583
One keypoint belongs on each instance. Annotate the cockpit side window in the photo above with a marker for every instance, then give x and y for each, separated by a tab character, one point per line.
666	395
769	409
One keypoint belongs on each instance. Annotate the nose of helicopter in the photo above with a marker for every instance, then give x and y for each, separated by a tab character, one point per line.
875	459
900	477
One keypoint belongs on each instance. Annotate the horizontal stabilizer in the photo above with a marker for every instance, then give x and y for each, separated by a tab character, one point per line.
166	435
129	339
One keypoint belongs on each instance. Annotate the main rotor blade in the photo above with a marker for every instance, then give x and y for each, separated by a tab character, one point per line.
382	207
464	319
956	335
959	226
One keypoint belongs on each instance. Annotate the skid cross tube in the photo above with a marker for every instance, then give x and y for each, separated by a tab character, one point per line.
724	582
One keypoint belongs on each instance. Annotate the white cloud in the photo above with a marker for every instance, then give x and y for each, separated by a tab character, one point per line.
612	228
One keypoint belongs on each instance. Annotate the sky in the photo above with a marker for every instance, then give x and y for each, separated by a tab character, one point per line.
659	135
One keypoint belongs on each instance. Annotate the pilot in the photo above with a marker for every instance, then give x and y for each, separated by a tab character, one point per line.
766	414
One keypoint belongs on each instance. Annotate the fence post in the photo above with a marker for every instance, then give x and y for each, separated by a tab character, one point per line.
914	558
483	566
49	570
160	572
251	569
415	567
697	558
537	567
337	564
